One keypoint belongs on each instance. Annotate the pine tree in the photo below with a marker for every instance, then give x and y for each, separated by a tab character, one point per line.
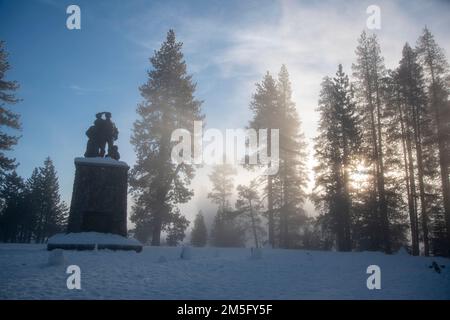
436	70
8	118
32	210
30	207
11	214
33	200
199	234
440	245
157	184
273	108
52	212
410	124
225	231
369	71
176	229
337	148
292	176
399	133
248	209
264	107
221	178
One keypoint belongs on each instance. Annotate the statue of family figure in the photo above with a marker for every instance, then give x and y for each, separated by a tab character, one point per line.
103	132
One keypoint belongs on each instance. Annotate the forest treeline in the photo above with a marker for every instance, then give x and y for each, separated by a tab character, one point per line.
382	158
381	154
30	209
395	125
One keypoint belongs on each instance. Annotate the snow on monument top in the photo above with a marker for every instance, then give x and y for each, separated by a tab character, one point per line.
99	161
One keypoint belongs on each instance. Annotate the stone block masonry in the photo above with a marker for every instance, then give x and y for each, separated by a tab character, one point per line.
99	198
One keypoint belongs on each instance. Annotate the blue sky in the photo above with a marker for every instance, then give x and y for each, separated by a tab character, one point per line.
66	76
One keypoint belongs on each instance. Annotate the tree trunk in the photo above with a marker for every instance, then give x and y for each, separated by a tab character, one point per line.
443	161
156	232
346	194
381	184
376	180
410	183
270	210
255	236
419	155
444	175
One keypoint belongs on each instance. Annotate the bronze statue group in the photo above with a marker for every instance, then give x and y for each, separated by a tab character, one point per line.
103	132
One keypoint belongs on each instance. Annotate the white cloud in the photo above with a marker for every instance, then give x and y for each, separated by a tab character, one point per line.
81	90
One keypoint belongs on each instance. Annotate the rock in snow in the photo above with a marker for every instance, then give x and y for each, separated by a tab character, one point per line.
185	253
256	253
402	252
56	257
162	259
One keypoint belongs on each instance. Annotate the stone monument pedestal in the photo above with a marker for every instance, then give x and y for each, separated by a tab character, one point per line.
99	203
99	198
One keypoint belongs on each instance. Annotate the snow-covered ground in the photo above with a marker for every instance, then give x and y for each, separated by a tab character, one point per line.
218	273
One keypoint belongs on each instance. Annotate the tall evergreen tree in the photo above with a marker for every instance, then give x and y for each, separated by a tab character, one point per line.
248	209
32	210
176	229
369	71
8	118
221	178
436	70
11	215
336	149
51	211
399	133
293	177
264	107
158	185
31	206
199	235
410	124
225	231
273	108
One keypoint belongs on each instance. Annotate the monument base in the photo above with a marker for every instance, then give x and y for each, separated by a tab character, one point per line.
92	241
99	198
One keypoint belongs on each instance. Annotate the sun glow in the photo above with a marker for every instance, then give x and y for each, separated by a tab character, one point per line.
359	176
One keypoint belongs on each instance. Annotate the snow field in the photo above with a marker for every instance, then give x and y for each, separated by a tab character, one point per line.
218	273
